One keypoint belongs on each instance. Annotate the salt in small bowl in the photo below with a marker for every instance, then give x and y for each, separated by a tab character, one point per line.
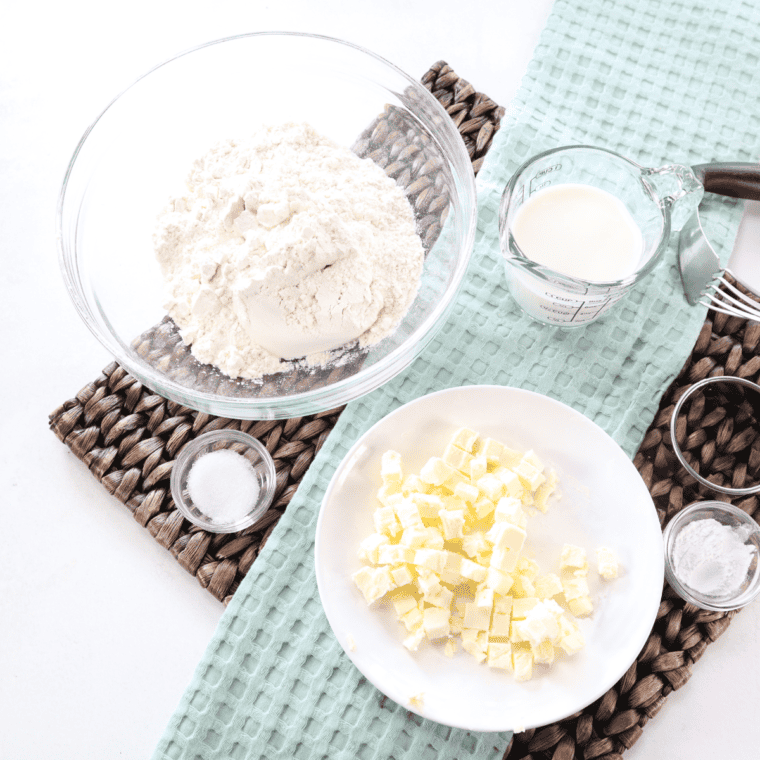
726	514
241	443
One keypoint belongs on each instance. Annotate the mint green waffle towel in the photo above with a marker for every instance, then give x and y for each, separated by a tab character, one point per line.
658	82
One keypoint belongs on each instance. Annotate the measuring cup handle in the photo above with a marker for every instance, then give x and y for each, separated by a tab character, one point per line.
735	179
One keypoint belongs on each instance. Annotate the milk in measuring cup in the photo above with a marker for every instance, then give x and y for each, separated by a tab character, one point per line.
580	231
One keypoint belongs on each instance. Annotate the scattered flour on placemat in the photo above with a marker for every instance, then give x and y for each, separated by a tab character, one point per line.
286	246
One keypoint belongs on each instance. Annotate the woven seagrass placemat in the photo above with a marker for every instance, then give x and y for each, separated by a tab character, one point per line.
129	437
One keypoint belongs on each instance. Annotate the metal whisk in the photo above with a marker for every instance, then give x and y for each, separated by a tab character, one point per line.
720	295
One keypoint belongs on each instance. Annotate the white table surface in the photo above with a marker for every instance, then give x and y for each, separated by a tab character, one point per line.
101	627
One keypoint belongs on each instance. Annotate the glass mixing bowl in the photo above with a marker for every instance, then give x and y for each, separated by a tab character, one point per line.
138	152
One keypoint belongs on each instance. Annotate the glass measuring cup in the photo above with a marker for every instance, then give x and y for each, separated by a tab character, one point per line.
658	200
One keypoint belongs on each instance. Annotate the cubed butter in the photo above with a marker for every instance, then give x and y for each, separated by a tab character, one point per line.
522	663
436	472
500	655
607	563
402	575
457	458
373	582
368	548
478	468
390	468
581	606
572	557
465	439
452	523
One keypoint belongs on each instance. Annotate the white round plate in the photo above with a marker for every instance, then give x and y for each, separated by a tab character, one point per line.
603	502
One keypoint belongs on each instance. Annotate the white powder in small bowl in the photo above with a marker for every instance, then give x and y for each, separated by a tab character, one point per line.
223	485
712	558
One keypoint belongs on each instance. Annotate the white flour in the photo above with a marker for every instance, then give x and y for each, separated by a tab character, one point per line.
286	246
712	558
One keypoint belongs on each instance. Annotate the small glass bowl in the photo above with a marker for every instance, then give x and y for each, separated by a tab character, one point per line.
719	384
242	443
727	514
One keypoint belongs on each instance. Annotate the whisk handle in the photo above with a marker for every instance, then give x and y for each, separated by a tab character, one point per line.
736	179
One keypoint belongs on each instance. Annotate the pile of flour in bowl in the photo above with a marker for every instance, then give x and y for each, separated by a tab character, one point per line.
286	246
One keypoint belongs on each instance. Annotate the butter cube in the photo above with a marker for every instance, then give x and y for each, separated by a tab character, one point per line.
394	554
478	468
547	586
412	620
368	548
532	458
497	453
402	575
452	523
509	509
454	480
522	586
475	642
453	562
474	543
581	606
373	582
505	535
491	487
389	494
521	607
465	439
473	571
575	587
530	476
513	486
403	604
500	625
482	507
413	641
408	514
484	597
436	472
441	598
414	538
432	559
541	623
572	557
477	617
427	581
507	541
498	581
527	567
386	521
502	604
607	563
433	538
500	655
522	662
515	634
390	468
428	504
571	639
467	492
543	653
450	647
414	484
544	491
457	458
